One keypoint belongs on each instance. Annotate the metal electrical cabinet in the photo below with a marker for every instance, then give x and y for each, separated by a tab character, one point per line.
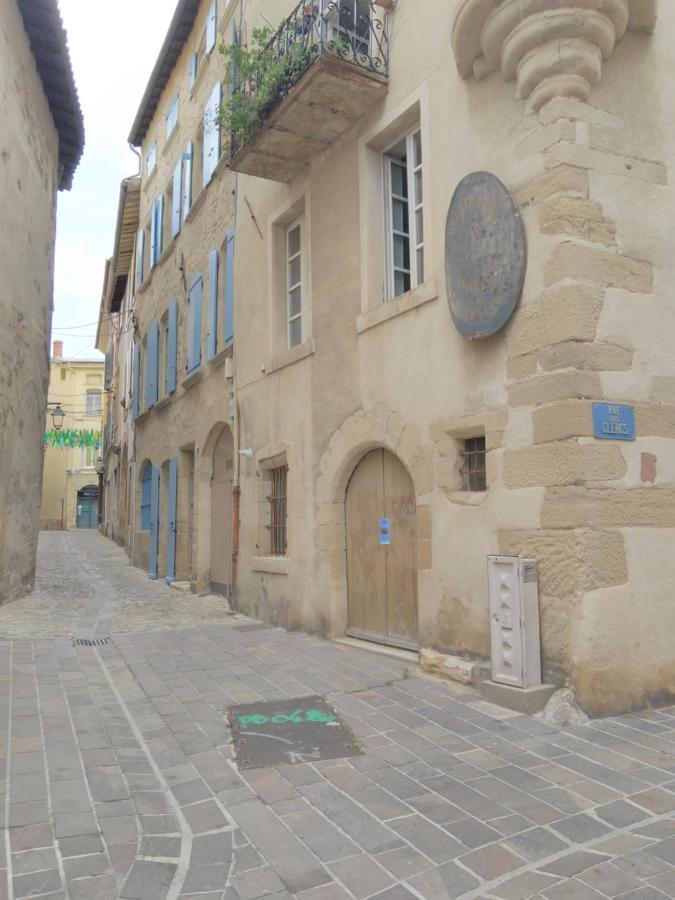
514	621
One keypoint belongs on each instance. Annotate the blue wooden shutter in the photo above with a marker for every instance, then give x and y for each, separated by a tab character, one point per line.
187	179
154	521
175	207
140	250
135	381
159	227
211	27
212	344
171	520
192	68
153	235
211	145
195	325
229	287
172	347
151	365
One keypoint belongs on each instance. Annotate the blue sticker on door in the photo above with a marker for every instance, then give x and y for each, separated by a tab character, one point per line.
385	531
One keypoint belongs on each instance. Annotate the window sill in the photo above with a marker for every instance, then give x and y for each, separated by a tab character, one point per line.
165	401
146	283
196	205
166	253
289	357
273	565
468	498
221	356
150	178
143	417
425	293
192	379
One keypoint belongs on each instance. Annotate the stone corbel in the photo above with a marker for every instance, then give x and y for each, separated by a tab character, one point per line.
551	48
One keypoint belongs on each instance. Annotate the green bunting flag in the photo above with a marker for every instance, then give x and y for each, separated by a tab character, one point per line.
67	439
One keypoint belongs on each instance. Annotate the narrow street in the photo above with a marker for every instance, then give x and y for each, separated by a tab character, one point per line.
121	780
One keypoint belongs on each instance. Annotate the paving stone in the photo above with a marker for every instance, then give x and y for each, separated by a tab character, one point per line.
33	861
492	862
665	850
361	875
580	828
573	863
210	849
609	879
361	827
645	893
523	886
472	833
30	837
148	880
642	863
81	866
572	890
257	883
102	887
664	882
404	862
536	844
70	796
201	879
191	791
204	816
28	813
620	814
447	882
73	824
320	836
36	883
160	846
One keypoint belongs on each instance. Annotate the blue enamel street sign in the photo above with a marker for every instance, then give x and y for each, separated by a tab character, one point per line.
614	421
385	531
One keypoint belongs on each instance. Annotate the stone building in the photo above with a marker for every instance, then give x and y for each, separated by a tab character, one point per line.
41	143
115	338
382	456
182	402
70	482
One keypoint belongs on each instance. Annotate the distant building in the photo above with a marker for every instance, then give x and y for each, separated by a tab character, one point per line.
41	141
115	338
70	484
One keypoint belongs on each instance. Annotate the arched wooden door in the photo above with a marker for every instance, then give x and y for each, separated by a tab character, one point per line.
221	514
381	552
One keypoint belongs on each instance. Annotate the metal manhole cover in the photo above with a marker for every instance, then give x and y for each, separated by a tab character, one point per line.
289	731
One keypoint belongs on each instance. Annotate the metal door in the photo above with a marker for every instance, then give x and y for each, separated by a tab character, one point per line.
381	552
154	521
171	521
87	508
221	514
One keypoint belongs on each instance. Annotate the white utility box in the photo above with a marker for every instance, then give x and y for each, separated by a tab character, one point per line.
514	621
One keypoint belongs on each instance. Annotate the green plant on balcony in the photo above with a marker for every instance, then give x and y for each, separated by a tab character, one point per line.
259	76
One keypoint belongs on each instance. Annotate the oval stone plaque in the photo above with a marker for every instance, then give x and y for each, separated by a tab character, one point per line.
485	256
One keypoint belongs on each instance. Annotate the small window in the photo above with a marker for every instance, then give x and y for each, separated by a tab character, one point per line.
89	457
405	215
93	407
473	468
172	116
146	489
277	501
294	282
151	160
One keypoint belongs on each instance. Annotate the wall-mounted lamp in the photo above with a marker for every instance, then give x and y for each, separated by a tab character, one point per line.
247	453
58	416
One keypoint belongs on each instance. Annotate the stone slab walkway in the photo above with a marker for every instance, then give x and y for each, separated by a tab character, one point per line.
120	782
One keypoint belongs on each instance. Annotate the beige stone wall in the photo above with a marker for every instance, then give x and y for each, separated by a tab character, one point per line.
593	324
28	183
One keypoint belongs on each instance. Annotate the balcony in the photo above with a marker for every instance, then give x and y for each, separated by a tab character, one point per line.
324	68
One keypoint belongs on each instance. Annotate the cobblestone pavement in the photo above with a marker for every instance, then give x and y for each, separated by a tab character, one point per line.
121	781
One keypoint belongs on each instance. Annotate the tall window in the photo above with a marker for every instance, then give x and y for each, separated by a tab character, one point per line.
146	488
93	407
89	457
277	501
405	215
151	160
294	282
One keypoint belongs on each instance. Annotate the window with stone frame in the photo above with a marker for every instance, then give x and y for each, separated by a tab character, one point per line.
473	467
404	214
274	509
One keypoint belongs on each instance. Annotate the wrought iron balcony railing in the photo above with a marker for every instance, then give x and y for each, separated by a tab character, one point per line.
354	31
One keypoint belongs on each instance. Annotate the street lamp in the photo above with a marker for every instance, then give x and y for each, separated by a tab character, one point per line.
58	416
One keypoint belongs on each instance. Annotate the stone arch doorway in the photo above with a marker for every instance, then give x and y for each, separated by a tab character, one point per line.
87	507
380	517
222	480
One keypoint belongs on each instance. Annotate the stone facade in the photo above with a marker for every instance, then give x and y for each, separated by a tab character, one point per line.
77	387
585	148
40	144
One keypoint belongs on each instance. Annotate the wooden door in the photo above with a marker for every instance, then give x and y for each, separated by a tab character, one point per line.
171	521
381	540
190	511
221	514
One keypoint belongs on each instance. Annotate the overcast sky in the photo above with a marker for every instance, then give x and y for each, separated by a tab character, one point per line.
113	48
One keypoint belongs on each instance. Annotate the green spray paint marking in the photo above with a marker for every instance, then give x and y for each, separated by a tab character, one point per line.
297	718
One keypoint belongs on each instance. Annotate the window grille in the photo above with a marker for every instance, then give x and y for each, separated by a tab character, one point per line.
474	476
278	513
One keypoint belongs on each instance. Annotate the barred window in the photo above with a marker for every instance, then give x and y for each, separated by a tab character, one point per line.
277	501
473	469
